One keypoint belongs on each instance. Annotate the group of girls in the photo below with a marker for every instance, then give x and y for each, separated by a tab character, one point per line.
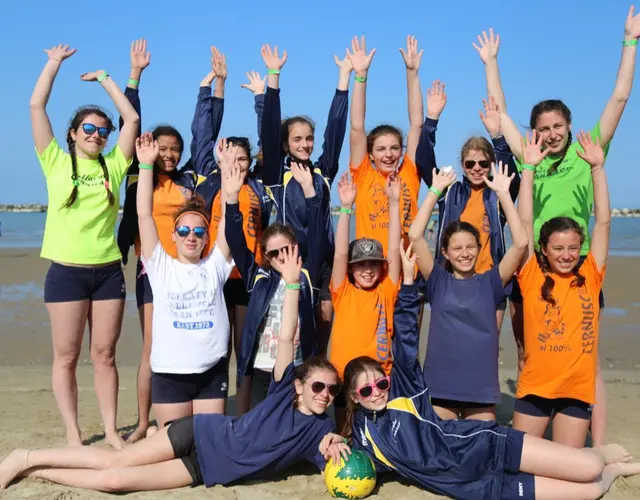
194	227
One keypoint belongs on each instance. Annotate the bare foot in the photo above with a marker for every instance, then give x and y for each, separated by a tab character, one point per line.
151	430
613	453
12	466
74	440
114	439
138	434
615	470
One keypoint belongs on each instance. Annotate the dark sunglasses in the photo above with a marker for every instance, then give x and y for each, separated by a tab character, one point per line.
317	387
272	254
199	231
382	384
469	164
90	129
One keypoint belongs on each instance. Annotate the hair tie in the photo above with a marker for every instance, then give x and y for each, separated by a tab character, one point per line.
106	185
76	182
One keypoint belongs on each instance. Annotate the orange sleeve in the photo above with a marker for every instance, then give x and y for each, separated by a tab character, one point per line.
527	274
389	289
590	271
361	171
338	293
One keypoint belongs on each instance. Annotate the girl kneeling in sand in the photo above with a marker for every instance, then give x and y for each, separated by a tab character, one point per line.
213	449
394	423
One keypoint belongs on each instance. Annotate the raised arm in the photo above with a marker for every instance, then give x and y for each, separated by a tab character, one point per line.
594	156
499	183
347	194
140	60
271	119
219	67
291	269
512	135
203	142
40	124
411	59
487	47
147	152
613	111
441	181
395	237
232	181
360	61
425	152
256	86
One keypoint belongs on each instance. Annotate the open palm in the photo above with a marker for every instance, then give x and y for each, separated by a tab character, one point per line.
360	60
491	117
500	178
436	100
347	190
256	83
488	45
532	153
272	58
140	58
593	153
60	52
411	56
632	25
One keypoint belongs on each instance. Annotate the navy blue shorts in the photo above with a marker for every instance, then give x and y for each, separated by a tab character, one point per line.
235	293
72	284
183	442
459	405
169	388
516	293
144	294
516	485
537	406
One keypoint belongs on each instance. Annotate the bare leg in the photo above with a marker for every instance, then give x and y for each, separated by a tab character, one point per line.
168	412
517	323
208	406
105	324
446	413
599	415
144	375
535	426
486	413
570	431
158	476
243	396
68	320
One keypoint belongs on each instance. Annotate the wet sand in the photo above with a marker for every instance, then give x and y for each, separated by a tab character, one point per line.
30	418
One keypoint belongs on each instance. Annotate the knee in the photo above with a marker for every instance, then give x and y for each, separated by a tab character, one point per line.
593	491
592	468
103	355
65	360
111	481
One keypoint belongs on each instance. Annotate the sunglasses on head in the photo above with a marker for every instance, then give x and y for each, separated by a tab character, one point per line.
469	164
382	384
317	387
272	254
90	129
199	231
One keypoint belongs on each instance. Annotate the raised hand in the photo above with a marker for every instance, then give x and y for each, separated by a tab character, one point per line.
593	153
411	56
358	55
60	52
271	57
408	260
140	58
500	178
436	100
92	76
147	149
443	179
302	174
393	187
218	63
532	153
256	84
232	175
491	117
344	65
632	25
488	45
291	265
346	191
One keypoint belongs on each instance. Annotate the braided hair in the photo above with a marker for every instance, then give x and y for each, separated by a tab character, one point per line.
74	125
559	107
557	225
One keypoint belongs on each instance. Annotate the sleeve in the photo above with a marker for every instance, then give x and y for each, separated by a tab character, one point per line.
504	155
592	273
360	172
436	276
51	157
317	219
272	154
217	112
500	292
157	266
219	265
338	293
329	161
133	95
285	384
425	152
258	106
527	274
203	142
128	229
243	258
117	165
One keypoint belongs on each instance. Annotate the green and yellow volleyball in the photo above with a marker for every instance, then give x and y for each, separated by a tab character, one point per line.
353	478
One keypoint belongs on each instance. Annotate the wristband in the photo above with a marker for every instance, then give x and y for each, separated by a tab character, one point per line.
347	211
273	71
145	166
630	43
596	169
360	79
102	77
292	286
435	191
530	168
131	81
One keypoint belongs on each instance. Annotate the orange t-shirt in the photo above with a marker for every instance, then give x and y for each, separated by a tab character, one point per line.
372	204
362	323
251	224
168	197
475	214
561	341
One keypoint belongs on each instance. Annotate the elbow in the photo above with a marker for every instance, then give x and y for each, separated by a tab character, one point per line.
132	118
414	234
604	219
522	243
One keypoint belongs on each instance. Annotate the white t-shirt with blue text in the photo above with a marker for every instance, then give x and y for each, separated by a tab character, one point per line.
190	323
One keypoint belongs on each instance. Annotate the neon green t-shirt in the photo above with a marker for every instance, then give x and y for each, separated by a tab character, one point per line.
566	193
84	233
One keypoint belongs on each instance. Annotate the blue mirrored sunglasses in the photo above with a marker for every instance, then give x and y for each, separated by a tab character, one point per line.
199	231
90	129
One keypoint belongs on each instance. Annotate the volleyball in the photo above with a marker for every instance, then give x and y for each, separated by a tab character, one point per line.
353	478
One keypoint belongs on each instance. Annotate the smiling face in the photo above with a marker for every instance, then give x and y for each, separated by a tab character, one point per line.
170	153
475	165
311	402
90	145
554	129
300	140
563	251
190	246
366	274
462	252
386	152
377	401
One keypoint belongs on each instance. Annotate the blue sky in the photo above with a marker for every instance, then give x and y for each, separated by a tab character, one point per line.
550	49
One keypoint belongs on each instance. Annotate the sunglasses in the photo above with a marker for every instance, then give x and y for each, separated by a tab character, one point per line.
382	384
317	387
90	129
184	231
272	254
469	164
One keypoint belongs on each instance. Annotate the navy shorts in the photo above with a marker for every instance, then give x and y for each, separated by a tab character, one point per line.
516	293
537	406
168	388
516	485
324	294
144	294
235	293
452	403
183	442
71	283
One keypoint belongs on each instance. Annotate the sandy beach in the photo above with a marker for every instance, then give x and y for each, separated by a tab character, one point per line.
30	418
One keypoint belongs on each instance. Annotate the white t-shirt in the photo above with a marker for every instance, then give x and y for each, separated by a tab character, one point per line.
269	334
190	329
